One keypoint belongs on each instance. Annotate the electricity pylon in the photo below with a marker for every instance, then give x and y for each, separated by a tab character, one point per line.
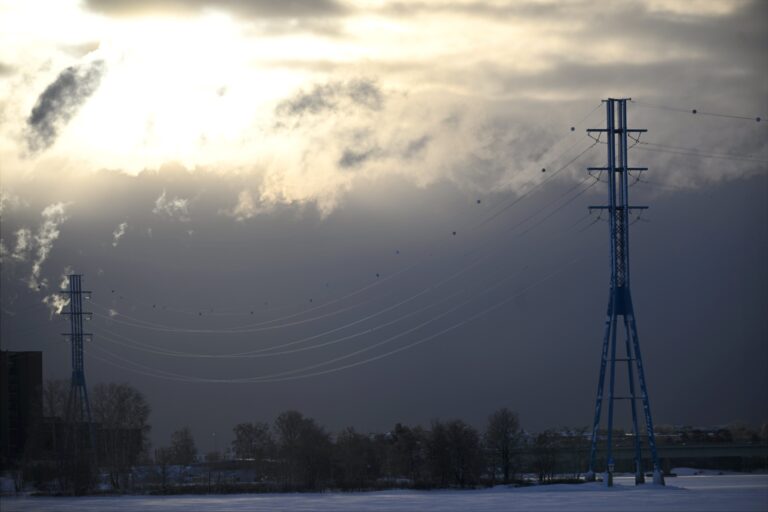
620	300
78	413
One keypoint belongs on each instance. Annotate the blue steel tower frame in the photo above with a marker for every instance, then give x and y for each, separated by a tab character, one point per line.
620	302
78	406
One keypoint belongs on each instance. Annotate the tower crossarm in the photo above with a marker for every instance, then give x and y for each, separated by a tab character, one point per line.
617	130
628	208
617	169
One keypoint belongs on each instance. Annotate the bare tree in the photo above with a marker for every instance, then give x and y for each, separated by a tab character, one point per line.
304	448
122	413
183	449
502	436
438	454
409	452
252	440
55	393
352	459
545	455
253	443
466	456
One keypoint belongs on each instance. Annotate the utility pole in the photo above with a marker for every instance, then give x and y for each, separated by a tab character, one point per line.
620	300
80	435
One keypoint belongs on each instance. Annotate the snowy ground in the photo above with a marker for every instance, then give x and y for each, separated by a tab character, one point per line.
700	493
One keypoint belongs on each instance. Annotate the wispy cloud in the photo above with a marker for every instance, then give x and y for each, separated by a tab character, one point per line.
64	283
176	207
54	216
118	233
291	9
23	244
56	303
245	208
9	201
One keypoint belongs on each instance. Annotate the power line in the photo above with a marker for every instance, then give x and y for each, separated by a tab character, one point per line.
296	374
658	148
595	181
268	351
695	111
492	217
302	340
345	326
536	186
263	326
389	339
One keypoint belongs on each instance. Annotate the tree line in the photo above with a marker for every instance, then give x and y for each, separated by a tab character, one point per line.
296	453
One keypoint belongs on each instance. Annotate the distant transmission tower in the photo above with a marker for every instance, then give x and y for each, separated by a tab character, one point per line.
78	413
620	300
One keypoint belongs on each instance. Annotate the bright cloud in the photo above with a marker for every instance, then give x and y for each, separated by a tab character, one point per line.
56	303
311	99
118	233
176	207
54	216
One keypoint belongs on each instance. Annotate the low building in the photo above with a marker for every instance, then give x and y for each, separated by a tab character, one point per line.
21	400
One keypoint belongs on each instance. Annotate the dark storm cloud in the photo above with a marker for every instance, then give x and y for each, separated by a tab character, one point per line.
416	147
480	9
727	41
290	255
365	92
253	9
319	99
352	158
328	97
59	102
666	52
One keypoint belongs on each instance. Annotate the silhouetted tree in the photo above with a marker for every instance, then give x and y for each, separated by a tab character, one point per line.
122	413
466	456
304	449
55	394
454	454
545	455
743	433
502	436
438	454
573	447
253	442
183	449
409	452
352	457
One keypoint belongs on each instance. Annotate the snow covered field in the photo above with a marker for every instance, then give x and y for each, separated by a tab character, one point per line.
700	493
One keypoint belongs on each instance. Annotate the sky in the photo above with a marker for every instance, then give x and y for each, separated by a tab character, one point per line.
376	212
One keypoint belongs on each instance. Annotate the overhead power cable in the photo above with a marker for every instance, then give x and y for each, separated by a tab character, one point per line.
378	282
296	374
658	148
254	353
695	111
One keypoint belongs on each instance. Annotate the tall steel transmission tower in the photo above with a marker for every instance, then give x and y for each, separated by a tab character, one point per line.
620	301
78	413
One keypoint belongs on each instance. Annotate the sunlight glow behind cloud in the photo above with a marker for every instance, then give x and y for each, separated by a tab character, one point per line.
214	87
